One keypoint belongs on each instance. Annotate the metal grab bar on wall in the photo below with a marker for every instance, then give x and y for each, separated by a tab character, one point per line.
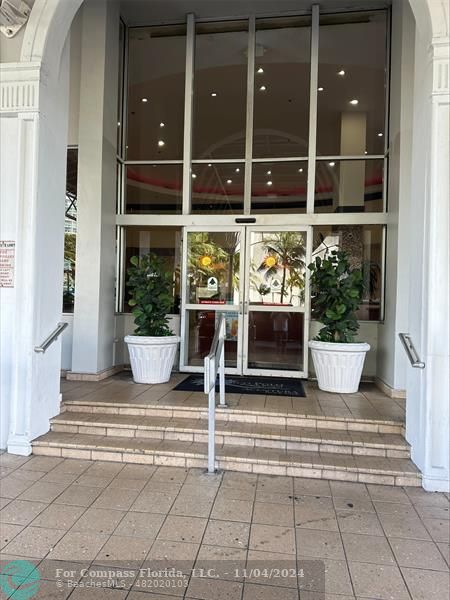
408	345
51	338
215	363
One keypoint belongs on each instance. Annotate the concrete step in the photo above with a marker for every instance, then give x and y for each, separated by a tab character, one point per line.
198	410
365	469
250	435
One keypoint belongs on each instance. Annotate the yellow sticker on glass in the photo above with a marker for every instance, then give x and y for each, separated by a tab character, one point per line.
205	261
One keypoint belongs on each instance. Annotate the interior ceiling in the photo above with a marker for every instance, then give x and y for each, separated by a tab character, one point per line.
146	12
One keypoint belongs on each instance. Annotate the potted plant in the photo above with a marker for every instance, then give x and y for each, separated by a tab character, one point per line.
153	346
336	293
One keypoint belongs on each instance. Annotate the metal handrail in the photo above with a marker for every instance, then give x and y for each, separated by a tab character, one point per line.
51	338
215	363
411	351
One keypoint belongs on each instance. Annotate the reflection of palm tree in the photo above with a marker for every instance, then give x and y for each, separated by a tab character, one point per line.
288	249
223	260
201	246
262	288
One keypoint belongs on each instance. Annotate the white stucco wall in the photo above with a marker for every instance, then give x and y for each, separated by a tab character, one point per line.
75	77
392	361
9	136
93	328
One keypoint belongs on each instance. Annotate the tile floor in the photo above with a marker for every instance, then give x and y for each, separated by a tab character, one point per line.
368	403
110	519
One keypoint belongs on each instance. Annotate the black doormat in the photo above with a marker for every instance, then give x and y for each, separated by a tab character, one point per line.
235	384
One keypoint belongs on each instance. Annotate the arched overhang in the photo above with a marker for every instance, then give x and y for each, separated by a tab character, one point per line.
50	21
47	30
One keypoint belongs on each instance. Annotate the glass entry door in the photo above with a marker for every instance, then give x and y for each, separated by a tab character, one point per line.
257	277
212	284
276	304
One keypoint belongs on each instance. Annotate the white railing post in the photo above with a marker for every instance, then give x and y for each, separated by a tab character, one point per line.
212	430
215	362
222	366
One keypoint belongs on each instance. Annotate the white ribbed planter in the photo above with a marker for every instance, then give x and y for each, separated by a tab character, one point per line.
338	366
152	358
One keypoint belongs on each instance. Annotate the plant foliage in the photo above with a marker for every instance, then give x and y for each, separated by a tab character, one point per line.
336	293
151	297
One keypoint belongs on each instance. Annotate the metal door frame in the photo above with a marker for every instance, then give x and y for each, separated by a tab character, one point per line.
243	307
186	306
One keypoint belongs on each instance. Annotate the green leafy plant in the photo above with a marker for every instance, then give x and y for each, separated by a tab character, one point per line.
151	298
336	293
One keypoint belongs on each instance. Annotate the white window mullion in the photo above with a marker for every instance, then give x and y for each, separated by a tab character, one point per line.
188	105
249	117
314	81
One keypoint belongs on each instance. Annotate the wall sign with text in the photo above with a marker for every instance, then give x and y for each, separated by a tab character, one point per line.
7	256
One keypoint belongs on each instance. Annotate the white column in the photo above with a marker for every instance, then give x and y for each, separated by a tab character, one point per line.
352	173
428	391
93	330
33	134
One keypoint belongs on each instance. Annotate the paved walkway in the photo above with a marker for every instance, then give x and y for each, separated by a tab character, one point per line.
89	526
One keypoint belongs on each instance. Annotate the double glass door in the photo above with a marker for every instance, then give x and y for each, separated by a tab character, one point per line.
258	278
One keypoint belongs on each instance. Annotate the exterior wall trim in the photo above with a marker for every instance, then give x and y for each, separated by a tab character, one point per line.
19	87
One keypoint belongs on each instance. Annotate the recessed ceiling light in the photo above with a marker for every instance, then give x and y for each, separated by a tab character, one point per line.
380	134
162	124
331	164
144	100
260	70
354	101
229	181
118	124
262	88
365	151
209	165
341	72
213	94
300	170
237	170
320	89
269	183
161	143
194	176
269	173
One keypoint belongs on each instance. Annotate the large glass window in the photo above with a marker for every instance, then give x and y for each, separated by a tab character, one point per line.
279	187
220	90
155	188
163	241
156	74
247	136
70	230
349	186
218	188
352	80
364	244
281	99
